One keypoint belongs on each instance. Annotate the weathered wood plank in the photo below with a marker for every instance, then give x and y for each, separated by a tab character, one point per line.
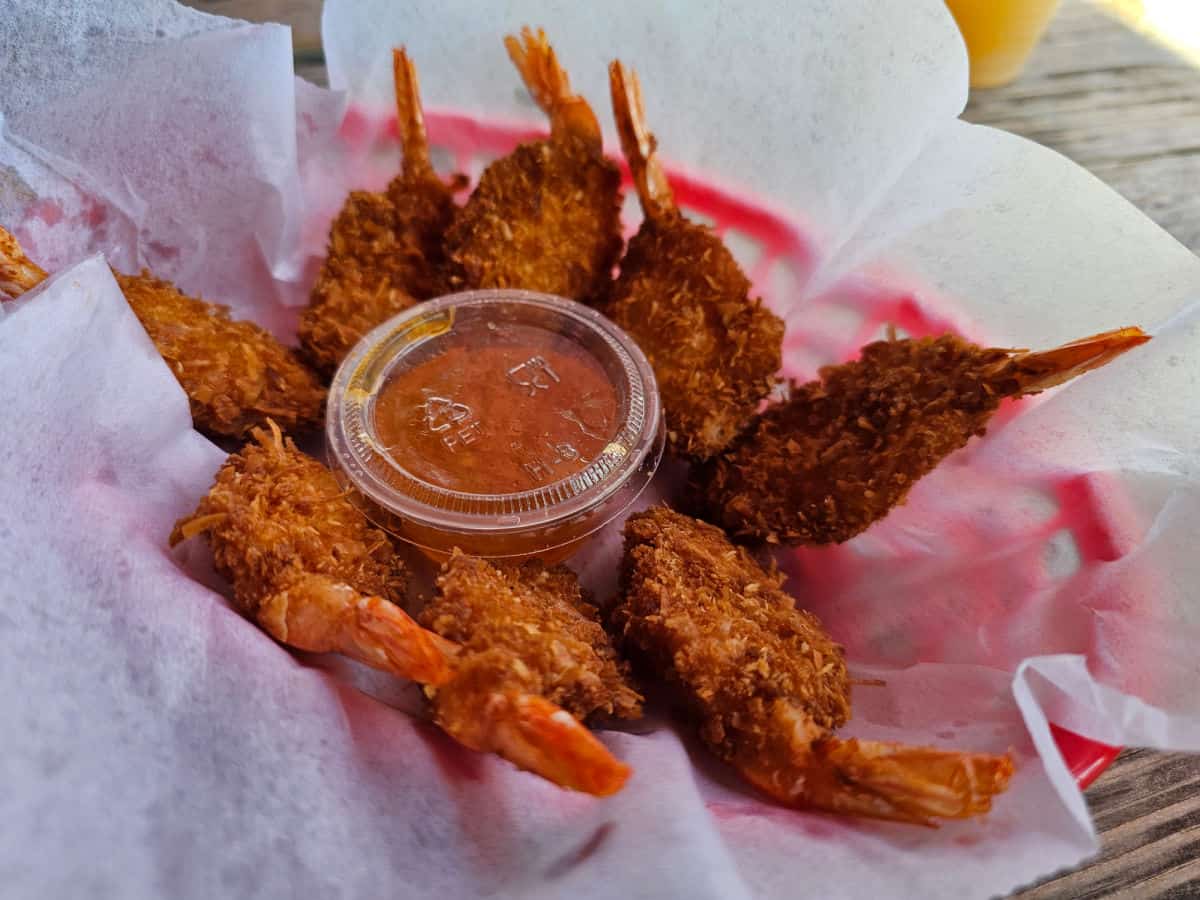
1115	102
1147	810
303	15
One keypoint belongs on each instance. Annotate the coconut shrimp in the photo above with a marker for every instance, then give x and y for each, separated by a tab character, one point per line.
547	216
525	636
385	249
235	374
847	448
18	273
768	687
683	297
309	569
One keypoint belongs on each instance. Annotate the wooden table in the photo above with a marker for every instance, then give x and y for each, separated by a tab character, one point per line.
1128	110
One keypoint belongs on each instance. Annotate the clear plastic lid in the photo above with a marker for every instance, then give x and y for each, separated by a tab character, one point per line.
503	422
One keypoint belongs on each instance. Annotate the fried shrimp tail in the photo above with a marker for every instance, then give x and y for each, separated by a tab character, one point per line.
549	85
872	779
410	118
236	375
1035	372
536	735
687	303
767	686
638	144
385	249
322	615
842	451
547	216
18	273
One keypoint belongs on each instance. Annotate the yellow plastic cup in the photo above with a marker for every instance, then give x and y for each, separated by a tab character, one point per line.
1000	35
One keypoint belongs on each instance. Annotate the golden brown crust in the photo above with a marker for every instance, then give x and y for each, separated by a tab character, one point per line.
236	375
544	218
18	273
525	628
709	620
715	351
275	517
844	450
384	255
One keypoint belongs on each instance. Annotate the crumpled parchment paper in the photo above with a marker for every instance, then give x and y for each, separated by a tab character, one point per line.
159	744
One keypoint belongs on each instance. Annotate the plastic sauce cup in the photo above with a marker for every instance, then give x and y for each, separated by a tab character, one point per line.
506	423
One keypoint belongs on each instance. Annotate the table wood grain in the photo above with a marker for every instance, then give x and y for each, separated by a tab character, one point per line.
1117	103
1128	110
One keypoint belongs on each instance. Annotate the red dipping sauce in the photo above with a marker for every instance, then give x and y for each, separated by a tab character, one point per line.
526	411
505	423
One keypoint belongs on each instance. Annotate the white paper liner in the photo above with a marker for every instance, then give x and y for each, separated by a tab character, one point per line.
160	744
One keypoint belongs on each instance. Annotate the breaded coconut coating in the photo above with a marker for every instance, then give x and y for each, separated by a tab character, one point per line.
715	349
309	569
708	619
236	375
525	628
275	516
844	450
18	273
385	250
767	685
547	216
375	268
